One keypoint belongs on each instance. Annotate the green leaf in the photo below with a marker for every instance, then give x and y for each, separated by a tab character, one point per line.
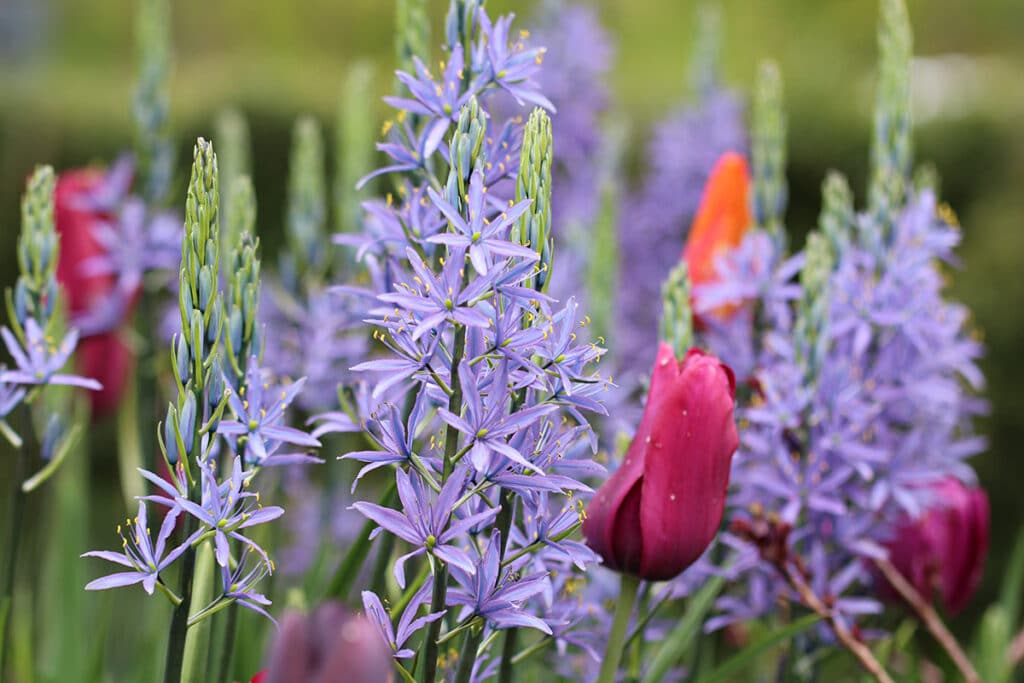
1013	579
991	644
749	654
677	642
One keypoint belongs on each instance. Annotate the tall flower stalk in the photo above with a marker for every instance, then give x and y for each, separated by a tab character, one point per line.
226	411
485	377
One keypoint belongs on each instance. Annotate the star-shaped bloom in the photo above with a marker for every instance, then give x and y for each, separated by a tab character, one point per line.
426	524
512	64
482	237
227	508
437	100
486	423
239	585
260	421
499	601
437	299
41	359
144	558
408	625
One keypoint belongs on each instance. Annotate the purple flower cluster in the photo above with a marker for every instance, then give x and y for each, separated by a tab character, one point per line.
853	414
480	398
656	220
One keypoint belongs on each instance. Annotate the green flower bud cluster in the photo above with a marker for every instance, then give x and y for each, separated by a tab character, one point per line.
35	292
676	311
810	333
534	183
837	214
154	148
768	155
467	152
306	215
196	351
241	336
891	149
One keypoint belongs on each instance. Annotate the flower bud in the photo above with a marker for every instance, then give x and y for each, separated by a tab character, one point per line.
326	646
181	358
942	553
171	437
661	509
187	422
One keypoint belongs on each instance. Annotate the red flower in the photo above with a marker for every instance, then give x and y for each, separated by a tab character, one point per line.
104	357
261	677
721	222
661	509
942	553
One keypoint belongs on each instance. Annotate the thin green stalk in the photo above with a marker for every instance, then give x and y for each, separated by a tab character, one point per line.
616	640
197	640
451	447
468	658
179	619
227	653
17	513
508	652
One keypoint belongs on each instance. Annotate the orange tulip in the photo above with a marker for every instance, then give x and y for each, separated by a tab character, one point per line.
722	219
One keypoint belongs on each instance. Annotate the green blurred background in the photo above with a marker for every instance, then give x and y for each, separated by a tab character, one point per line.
67	69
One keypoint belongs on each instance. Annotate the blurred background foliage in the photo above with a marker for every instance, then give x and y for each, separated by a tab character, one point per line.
67	72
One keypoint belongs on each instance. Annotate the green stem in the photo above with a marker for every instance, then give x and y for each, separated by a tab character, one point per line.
451	447
508	652
617	638
18	497
429	671
179	619
227	654
468	658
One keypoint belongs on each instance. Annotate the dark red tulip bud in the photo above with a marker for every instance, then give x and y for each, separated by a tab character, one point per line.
103	356
942	553
327	646
662	508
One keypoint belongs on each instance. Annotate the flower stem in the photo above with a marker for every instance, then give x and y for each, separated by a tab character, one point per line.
468	658
451	447
856	647
508	652
179	619
17	512
931	620
617	638
227	654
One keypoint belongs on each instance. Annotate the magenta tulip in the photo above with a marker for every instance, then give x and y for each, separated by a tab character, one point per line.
942	553
662	508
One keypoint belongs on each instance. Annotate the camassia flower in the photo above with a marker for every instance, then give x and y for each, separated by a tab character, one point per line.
144	559
721	222
661	509
942	553
409	624
41	359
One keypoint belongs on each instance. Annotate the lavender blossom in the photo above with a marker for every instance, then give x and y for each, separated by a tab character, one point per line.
408	625
227	508
144	558
425	523
259	426
38	362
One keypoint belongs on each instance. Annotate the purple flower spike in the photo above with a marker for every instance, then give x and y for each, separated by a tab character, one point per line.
425	523
40	360
141	556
